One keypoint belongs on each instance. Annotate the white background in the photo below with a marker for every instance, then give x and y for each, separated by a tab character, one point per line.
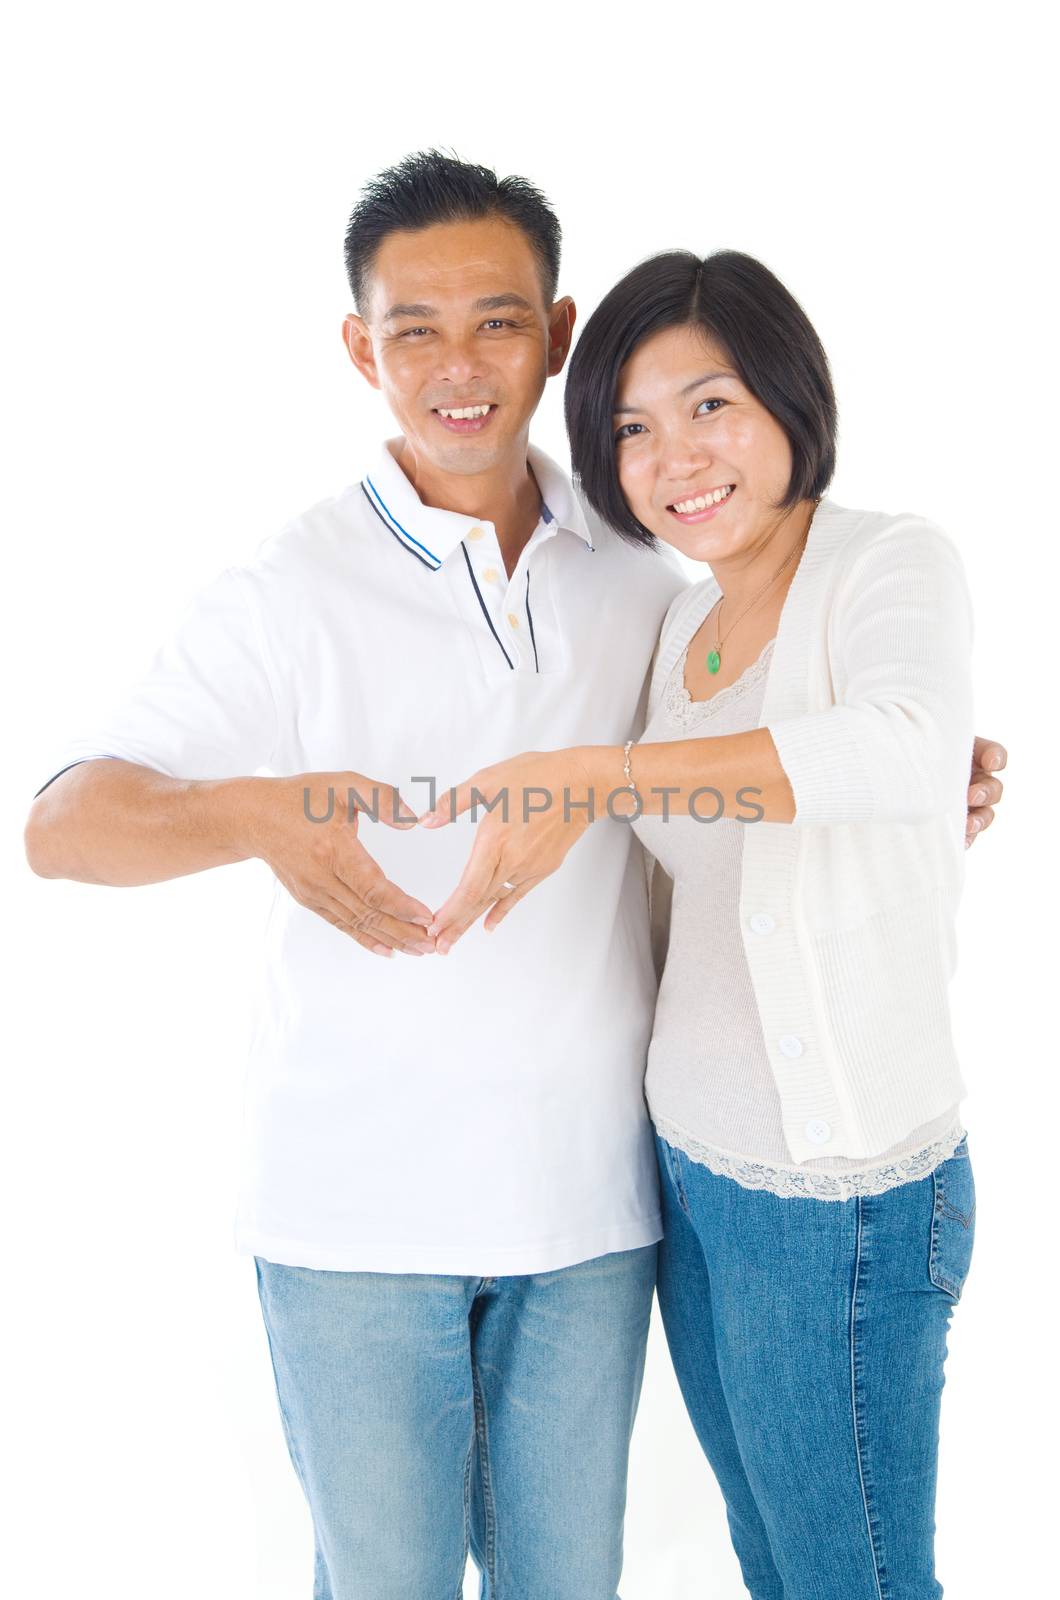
175	388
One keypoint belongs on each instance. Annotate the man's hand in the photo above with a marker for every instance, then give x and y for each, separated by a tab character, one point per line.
984	790
305	827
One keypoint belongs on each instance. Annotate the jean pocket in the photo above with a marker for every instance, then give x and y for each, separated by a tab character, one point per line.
952	1222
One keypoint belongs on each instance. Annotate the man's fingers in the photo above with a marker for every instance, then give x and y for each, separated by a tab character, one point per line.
394	811
984	791
365	879
351	914
988	755
364	940
359	904
978	821
983	818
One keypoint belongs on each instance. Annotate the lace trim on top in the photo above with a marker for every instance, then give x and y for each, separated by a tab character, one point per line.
795	1182
679	705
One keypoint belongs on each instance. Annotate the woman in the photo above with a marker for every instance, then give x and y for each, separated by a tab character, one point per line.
802	781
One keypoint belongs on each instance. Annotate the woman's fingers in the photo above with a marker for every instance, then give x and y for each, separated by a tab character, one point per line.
452	803
473	895
501	908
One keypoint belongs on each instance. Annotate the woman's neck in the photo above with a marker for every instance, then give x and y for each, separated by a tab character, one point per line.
773	554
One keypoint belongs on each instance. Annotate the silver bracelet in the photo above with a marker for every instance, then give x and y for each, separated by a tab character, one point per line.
630	785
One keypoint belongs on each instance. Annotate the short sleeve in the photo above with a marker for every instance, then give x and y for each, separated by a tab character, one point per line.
206	706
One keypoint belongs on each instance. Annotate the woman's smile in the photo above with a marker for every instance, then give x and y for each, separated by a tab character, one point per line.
702	507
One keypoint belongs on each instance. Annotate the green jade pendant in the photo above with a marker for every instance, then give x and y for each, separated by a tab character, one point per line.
714	661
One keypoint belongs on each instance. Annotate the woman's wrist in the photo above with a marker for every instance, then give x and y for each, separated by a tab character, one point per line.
603	767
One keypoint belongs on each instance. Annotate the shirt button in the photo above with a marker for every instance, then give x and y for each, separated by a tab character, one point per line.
491	575
513	619
476	533
818	1131
790	1046
761	922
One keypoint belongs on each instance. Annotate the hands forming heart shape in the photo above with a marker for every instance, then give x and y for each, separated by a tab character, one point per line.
516	846
328	870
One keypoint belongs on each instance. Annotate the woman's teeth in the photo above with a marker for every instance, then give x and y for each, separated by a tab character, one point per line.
465	412
702	501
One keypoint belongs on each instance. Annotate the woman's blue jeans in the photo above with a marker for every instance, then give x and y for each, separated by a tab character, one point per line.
809	1338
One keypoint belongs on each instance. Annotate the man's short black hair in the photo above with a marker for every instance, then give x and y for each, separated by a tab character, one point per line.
761	329
430	187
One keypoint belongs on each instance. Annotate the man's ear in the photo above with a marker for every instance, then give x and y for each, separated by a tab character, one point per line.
358	342
561	321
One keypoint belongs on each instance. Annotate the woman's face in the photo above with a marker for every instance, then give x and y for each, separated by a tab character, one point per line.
701	462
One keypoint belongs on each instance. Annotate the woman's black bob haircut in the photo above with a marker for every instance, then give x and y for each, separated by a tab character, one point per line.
760	327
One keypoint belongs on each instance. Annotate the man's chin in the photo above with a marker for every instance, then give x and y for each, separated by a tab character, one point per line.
468	457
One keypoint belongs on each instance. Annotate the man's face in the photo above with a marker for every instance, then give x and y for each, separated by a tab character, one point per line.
456	322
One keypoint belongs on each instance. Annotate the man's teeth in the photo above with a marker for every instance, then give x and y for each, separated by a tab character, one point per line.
702	501
466	411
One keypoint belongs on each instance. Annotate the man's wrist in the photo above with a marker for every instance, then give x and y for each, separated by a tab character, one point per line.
232	814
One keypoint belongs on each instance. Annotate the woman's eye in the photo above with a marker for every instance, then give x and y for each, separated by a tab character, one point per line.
497	322
628	430
713	404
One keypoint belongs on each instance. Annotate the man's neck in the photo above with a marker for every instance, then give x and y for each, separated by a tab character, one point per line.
507	496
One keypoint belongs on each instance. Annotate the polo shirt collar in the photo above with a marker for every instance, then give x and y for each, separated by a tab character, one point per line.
431	534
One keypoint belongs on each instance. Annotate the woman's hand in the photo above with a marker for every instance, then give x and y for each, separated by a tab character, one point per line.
542	809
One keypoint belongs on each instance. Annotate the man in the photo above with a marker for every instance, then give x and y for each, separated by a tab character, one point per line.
448	1182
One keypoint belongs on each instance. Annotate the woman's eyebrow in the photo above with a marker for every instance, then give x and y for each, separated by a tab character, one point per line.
708	377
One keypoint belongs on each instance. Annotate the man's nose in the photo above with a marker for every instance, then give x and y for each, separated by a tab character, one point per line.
459	362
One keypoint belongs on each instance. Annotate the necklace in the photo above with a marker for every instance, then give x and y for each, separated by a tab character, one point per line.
714	658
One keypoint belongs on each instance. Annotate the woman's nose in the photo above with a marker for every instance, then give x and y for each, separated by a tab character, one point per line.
679	457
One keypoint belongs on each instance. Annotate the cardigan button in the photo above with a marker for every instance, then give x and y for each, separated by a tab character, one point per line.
818	1131
761	922
790	1046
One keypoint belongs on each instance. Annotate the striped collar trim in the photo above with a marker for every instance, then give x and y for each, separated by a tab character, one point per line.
430	534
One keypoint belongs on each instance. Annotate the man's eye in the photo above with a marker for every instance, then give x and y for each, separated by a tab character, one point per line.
628	430
409	332
497	322
713	404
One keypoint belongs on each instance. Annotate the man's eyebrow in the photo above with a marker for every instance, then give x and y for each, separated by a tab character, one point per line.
410	310
490	302
708	377
498	302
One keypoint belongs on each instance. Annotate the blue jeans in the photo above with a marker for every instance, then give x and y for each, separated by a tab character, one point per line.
425	1413
809	1338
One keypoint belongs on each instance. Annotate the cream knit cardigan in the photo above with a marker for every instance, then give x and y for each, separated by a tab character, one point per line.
848	912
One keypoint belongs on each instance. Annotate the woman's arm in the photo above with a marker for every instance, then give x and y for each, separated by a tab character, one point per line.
895	748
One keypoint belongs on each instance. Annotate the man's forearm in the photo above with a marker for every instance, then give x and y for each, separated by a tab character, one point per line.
113	822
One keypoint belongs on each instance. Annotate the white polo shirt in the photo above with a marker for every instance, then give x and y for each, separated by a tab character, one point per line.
480	1113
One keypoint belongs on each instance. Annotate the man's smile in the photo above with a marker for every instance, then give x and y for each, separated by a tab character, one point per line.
465	419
